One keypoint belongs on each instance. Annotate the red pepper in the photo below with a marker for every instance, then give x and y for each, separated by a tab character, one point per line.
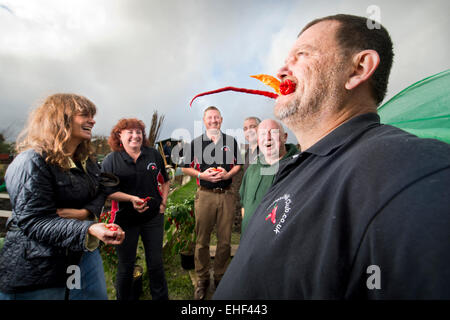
112	228
145	200
272	215
287	87
112	213
262	93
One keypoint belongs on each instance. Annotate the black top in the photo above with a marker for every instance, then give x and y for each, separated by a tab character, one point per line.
363	213
202	154
140	179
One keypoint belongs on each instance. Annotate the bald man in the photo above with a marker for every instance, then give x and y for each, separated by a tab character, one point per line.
259	176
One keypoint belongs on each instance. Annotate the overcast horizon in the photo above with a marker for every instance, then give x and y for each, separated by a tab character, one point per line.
134	57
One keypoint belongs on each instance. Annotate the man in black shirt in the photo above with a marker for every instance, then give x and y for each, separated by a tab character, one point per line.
363	211
213	158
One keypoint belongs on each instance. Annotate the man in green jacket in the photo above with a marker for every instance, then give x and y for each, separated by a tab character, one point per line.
259	176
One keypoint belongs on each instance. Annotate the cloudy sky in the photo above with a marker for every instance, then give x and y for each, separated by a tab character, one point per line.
131	57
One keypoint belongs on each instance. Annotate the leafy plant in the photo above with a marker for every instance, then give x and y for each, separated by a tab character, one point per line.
180	225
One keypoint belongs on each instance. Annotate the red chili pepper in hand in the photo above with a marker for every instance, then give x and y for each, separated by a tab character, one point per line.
145	200
112	228
262	93
287	87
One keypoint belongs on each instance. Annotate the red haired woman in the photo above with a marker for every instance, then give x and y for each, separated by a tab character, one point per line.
142	175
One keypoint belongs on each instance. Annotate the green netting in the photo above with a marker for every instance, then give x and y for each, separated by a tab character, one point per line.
422	109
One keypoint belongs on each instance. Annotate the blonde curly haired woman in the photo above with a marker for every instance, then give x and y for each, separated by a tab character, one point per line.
56	192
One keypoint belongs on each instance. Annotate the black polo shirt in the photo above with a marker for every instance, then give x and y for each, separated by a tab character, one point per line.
363	213
140	179
202	153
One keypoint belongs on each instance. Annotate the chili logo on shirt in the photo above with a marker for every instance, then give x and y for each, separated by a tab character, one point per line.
152	165
284	201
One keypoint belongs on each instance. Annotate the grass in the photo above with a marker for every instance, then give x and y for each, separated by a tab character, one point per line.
184	192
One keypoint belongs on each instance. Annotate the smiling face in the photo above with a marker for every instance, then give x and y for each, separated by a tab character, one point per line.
250	126
212	120
131	138
315	65
271	139
82	125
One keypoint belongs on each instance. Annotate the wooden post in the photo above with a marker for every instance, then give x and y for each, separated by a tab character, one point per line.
161	151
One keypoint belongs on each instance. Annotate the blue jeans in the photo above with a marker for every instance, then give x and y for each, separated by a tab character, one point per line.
41	294
93	284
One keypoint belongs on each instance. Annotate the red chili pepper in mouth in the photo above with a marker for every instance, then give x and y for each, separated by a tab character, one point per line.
251	91
287	87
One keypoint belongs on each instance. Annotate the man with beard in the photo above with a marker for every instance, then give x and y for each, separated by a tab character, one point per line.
363	211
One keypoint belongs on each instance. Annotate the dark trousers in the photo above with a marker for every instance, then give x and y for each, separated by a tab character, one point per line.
152	233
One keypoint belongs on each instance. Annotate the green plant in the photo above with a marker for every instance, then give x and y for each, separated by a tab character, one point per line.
180	225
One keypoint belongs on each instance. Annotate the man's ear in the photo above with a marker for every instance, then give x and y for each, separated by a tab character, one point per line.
364	65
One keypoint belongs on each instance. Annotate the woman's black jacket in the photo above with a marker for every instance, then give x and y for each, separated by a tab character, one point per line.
40	245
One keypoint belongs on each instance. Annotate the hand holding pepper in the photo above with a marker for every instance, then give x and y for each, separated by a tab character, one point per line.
140	205
111	227
108	233
222	173
212	175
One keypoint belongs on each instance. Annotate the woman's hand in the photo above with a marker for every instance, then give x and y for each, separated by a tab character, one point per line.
70	213
108	233
138	204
